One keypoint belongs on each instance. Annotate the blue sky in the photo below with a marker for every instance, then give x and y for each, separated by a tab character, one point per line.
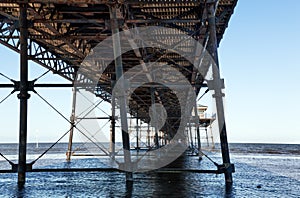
259	59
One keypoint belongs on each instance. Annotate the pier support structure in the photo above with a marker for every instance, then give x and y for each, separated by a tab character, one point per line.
23	95
40	39
154	117
197	129
217	84
121	98
112	146
137	133
72	121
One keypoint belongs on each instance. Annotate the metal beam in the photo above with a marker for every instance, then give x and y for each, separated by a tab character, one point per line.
217	86
92	2
72	121
23	95
197	127
137	131
113	127
162	170
60	66
154	117
121	98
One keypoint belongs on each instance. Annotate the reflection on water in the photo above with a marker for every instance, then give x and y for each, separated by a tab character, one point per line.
166	183
129	188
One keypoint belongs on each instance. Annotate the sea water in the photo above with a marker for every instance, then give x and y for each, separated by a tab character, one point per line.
262	170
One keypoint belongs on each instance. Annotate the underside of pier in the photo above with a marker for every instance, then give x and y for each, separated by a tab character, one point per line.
61	35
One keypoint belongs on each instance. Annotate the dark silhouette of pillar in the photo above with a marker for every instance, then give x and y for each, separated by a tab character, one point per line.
23	95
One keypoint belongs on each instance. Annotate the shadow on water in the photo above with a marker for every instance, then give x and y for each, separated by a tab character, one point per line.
171	184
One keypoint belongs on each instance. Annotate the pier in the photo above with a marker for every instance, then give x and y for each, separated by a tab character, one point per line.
148	59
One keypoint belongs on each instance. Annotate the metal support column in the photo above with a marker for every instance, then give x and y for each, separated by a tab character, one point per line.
197	120
156	141
190	135
121	98
217	85
137	133
148	136
212	136
23	95
207	141
72	120
112	146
